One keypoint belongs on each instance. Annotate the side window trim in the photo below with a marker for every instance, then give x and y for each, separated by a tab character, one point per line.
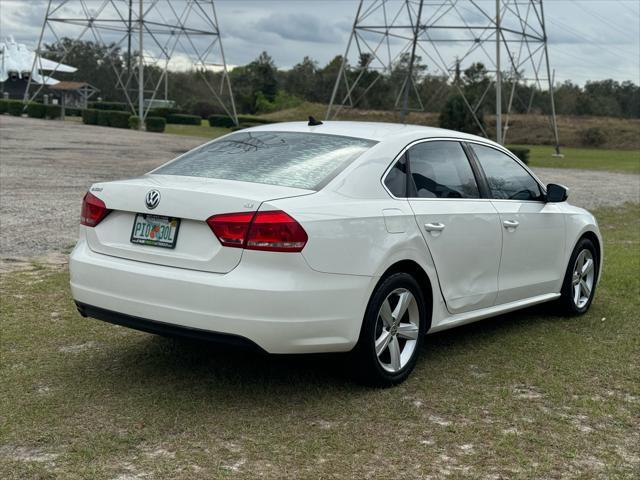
478	172
412	194
475	166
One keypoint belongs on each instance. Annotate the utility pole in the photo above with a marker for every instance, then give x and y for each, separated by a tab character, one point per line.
498	78
141	69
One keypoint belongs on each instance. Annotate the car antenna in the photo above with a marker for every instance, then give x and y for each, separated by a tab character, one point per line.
313	122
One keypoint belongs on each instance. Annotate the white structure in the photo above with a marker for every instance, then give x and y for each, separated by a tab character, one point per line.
17	63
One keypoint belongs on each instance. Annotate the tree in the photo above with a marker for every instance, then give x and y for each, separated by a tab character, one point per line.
456	116
96	64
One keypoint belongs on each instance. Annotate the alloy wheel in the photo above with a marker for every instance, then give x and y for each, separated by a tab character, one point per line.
583	278
397	330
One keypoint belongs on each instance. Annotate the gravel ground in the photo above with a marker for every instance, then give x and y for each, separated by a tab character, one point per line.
47	166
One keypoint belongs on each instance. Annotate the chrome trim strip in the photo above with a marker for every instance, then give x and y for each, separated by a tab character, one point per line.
500	148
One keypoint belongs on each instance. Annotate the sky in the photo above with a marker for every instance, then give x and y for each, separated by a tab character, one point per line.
588	39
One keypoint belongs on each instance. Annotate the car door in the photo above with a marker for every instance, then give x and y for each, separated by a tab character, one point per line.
461	229
533	231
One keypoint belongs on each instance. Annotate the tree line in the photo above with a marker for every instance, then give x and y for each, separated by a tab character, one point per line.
260	87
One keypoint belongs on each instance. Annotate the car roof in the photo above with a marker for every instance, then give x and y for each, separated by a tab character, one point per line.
378	131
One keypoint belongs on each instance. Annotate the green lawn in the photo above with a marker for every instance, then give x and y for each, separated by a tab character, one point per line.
525	395
586	158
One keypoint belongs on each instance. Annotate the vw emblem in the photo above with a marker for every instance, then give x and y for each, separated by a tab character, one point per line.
152	199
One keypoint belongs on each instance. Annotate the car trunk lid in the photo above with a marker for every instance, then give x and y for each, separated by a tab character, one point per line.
191	200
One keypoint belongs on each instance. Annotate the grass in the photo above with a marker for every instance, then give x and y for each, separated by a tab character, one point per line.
525	395
627	161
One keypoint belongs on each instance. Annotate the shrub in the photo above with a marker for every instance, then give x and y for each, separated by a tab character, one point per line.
118	106
281	101
15	107
103	118
456	116
134	122
119	119
592	137
155	124
218	120
90	116
73	112
53	111
182	119
521	153
3	106
36	110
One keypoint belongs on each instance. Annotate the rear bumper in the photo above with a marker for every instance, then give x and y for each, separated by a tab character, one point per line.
274	300
166	329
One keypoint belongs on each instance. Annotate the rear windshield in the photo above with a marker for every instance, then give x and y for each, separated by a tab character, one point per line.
291	159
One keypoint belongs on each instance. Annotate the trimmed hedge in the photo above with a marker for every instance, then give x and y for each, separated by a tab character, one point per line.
134	122
103	118
3	106
522	154
182	119
15	107
218	120
90	116
117	106
36	110
53	111
119	119
155	124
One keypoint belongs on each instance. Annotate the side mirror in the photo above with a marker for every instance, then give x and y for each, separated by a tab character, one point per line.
556	193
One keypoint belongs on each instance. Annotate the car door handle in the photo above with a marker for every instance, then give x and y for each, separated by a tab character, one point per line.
510	224
434	227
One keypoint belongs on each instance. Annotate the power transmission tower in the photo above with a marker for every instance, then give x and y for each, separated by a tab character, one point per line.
509	37
157	34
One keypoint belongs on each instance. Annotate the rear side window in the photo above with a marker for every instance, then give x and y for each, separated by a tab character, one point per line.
291	159
396	179
441	169
507	179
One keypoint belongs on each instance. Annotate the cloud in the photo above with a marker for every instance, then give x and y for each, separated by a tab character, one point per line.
301	27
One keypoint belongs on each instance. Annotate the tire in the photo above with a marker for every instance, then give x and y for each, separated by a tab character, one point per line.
578	289
399	339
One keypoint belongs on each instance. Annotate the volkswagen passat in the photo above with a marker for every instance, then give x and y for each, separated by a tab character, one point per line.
337	237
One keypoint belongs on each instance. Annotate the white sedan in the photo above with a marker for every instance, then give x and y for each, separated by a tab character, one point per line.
335	237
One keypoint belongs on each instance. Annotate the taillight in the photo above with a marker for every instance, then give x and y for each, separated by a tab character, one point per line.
93	210
273	231
231	228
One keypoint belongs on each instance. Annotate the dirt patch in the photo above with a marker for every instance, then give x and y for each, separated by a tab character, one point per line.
27	454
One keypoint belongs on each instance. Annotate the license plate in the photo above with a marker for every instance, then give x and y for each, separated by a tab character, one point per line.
155	230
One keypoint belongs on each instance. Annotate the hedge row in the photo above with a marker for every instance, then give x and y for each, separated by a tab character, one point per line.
106	118
33	110
12	107
112	106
